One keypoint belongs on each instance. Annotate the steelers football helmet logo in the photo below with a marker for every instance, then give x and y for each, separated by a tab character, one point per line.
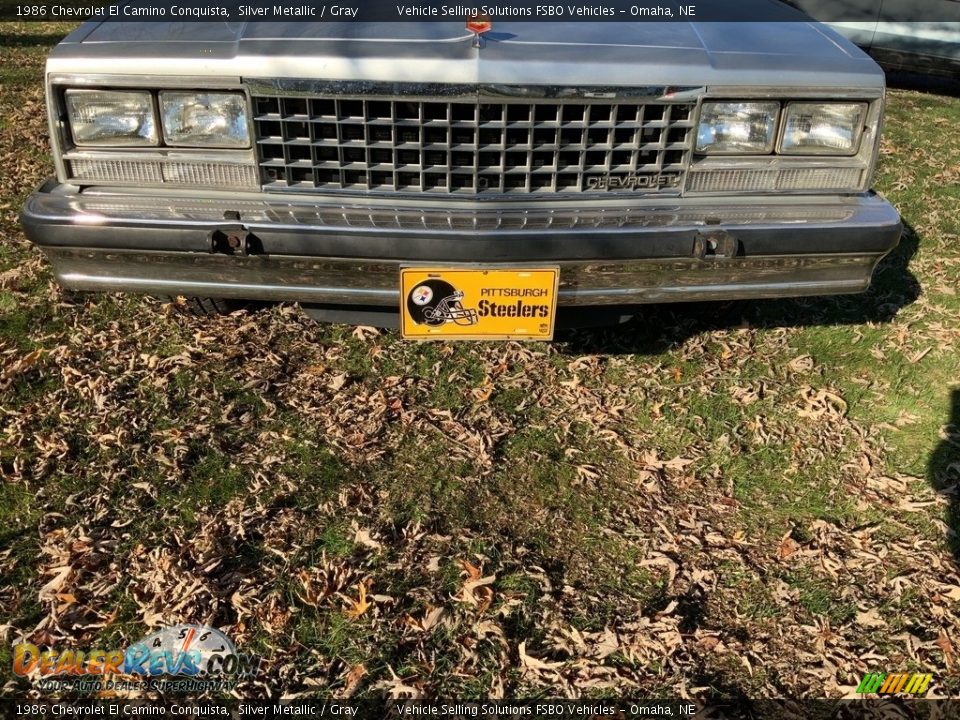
437	302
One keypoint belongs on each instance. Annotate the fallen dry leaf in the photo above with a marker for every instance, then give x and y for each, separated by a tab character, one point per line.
359	606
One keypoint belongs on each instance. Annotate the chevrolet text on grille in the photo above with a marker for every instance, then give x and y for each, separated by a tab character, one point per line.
598	182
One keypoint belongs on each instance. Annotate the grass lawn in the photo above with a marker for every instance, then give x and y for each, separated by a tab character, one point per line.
764	505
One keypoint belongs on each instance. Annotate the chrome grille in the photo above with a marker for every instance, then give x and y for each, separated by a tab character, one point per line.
415	146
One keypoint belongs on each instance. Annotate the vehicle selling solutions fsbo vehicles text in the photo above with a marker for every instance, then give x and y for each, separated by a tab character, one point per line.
494	11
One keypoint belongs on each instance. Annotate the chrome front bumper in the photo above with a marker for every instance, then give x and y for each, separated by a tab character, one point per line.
324	252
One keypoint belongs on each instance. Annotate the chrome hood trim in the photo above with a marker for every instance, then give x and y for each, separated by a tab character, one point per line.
633	53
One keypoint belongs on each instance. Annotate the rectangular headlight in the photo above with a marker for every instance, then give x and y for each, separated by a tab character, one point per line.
822	128
208	119
737	127
111	118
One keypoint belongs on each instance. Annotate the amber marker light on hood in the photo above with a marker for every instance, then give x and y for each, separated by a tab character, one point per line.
479	23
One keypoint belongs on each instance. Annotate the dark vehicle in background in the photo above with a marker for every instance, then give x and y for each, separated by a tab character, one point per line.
913	35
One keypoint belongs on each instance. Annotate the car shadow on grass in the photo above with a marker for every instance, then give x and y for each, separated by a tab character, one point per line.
656	329
943	472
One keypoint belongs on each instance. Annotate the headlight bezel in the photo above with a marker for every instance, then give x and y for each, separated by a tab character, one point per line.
161	159
154	141
768	148
792	173
781	122
161	138
168	138
858	129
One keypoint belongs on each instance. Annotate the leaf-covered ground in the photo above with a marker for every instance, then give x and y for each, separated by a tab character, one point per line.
760	505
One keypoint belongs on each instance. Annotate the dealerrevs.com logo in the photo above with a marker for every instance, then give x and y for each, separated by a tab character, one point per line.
187	658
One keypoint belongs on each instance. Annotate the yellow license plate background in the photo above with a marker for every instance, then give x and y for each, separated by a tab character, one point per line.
478	303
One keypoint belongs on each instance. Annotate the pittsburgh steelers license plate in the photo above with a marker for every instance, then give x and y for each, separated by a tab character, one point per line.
478	303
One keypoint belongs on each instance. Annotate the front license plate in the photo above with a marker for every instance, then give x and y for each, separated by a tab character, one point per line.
478	303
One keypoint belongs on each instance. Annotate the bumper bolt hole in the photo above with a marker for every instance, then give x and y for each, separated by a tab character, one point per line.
715	244
234	242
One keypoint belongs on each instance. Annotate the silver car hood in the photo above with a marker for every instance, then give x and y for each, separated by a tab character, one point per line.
780	54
